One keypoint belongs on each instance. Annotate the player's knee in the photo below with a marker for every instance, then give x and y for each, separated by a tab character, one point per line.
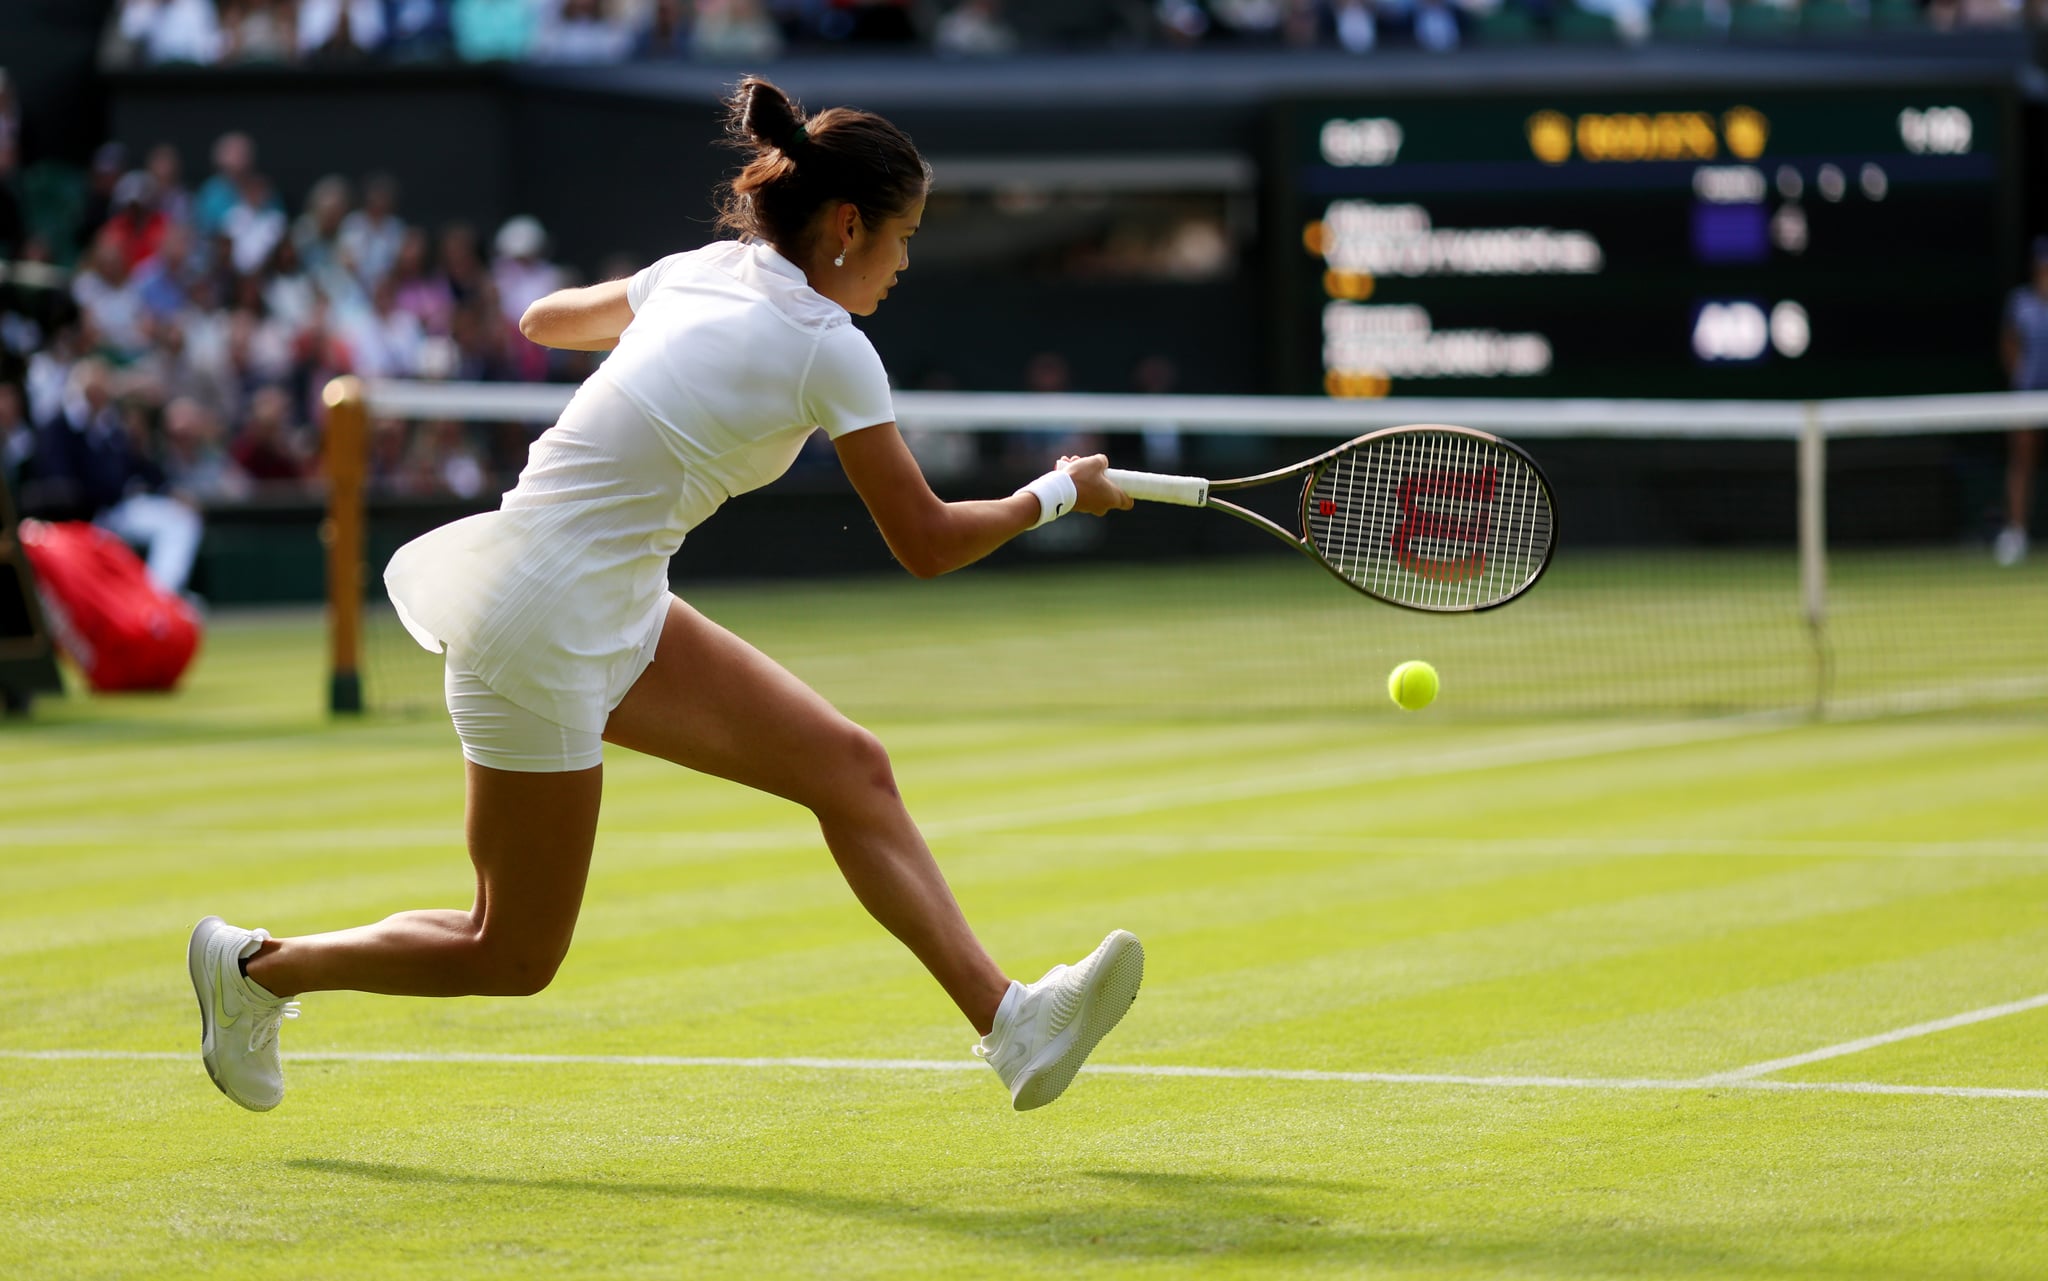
861	772
516	967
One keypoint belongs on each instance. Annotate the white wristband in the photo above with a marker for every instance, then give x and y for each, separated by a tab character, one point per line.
1055	493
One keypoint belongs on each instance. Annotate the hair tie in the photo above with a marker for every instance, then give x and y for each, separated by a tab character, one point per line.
801	135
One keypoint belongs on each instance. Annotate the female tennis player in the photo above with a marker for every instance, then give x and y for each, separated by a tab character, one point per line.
560	631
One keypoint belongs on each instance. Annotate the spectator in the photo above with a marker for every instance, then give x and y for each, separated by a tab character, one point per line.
1631	18
419	291
89	466
1183	22
234	158
197	467
202	339
340	29
420	30
1253	21
171	30
1048	373
493	30
578	32
1357	27
1302	23
317	233
287	289
166	173
667	34
1156	375
386	340
371	236
49	370
255	226
107	294
974	29
164	278
267	450
521	275
2023	345
479	339
136	225
258	31
442	460
461	263
733	31
259	347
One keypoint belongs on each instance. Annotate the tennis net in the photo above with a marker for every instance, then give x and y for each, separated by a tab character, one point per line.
1715	557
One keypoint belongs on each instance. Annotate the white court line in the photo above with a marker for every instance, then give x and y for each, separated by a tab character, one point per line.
1710	1084
1882	1038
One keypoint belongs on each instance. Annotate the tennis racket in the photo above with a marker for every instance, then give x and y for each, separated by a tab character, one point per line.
1444	519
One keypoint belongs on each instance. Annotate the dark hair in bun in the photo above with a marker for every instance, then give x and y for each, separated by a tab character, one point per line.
797	164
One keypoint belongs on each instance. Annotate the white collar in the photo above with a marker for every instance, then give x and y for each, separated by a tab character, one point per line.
771	258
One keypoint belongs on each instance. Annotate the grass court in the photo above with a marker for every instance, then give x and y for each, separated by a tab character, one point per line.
1713	994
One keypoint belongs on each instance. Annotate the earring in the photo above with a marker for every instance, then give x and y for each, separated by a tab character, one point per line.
840	261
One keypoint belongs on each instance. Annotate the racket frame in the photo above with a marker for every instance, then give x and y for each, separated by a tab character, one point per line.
1311	468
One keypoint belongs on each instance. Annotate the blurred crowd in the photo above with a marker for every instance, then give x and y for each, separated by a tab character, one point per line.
185	358
149	32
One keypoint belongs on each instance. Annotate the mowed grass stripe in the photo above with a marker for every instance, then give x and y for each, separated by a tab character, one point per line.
1242	986
1763	991
1765	1018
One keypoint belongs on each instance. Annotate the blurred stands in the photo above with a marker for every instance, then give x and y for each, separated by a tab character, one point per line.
598	32
222	287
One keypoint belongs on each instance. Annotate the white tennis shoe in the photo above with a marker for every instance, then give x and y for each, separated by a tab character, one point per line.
238	1020
1044	1031
2010	547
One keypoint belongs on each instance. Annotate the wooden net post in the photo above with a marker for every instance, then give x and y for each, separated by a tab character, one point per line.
348	452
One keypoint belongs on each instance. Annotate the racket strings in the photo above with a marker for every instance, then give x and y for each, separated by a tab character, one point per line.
1436	520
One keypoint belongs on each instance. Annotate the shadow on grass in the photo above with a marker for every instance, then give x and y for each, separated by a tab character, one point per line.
1136	1212
1142	1213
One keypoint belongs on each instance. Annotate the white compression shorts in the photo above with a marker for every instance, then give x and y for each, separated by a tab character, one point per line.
500	734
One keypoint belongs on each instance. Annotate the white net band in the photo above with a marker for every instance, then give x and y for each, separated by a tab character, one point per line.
1312	416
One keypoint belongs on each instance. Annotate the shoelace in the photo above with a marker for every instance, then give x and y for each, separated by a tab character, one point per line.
266	1028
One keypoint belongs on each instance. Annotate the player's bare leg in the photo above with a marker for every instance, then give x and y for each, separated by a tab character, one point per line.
713	703
530	838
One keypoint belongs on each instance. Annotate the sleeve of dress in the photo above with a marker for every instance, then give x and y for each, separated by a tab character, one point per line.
644	281
847	388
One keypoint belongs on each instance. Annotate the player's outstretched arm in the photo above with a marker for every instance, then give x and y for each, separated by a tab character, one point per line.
931	536
587	319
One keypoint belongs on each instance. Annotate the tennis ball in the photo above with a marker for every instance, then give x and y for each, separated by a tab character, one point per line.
1412	685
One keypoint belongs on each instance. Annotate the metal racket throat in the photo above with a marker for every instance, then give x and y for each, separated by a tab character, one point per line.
1444	519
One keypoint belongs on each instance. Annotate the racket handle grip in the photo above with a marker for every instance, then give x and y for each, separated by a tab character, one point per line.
1157	487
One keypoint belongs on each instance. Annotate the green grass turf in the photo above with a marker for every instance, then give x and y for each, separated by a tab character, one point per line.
1604	633
1609	898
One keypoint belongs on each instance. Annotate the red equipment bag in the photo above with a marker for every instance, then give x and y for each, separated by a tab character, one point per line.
122	630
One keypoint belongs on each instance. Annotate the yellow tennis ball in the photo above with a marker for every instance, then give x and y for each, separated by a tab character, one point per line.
1412	685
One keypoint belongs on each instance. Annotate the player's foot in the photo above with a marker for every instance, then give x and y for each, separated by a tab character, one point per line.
238	1020
2010	548
1044	1031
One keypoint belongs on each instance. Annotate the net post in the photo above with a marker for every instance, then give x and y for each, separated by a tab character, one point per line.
347	460
1813	537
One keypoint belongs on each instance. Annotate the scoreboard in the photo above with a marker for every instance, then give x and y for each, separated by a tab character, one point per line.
1661	244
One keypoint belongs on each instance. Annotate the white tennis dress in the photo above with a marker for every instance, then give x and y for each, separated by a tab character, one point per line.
557	598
